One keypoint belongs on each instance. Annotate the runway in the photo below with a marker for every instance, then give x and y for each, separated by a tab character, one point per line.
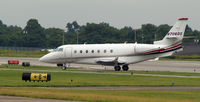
172	66
24	99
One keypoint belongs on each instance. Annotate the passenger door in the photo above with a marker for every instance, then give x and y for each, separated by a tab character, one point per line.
68	54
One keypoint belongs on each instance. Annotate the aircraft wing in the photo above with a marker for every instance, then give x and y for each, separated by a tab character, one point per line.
155	59
110	61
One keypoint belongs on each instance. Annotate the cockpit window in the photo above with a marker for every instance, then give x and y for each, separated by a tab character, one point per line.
58	50
55	50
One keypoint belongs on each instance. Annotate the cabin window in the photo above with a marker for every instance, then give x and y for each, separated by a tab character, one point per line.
104	51
98	51
81	51
75	51
86	51
111	51
92	51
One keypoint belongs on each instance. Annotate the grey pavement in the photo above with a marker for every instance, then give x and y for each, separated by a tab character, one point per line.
24	99
172	66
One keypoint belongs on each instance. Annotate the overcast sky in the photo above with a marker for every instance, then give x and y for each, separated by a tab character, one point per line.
118	13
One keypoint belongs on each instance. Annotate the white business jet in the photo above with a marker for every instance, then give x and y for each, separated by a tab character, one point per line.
118	54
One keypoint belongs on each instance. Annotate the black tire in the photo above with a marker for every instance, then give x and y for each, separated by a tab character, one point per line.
26	64
64	68
117	68
125	67
59	65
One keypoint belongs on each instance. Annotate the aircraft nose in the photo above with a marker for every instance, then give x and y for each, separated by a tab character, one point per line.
44	58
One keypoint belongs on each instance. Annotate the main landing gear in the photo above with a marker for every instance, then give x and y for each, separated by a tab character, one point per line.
117	68
124	67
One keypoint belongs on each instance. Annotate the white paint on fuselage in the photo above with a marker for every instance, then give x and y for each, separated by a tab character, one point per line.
126	53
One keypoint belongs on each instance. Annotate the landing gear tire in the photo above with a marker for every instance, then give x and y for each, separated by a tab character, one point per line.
64	68
59	65
125	67
117	68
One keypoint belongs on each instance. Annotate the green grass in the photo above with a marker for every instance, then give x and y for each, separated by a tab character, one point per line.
12	79
149	72
104	95
12	53
63	78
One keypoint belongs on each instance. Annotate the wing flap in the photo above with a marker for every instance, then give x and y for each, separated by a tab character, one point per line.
110	61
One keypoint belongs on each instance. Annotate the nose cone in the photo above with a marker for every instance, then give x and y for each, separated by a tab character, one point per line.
42	59
45	58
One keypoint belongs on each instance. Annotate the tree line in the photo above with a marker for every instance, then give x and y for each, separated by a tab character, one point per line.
34	35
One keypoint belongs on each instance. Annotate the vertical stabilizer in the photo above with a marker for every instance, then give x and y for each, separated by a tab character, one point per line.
175	35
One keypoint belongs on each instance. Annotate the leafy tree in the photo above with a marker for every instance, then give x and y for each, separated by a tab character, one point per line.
189	35
54	37
72	27
161	31
149	31
15	37
34	34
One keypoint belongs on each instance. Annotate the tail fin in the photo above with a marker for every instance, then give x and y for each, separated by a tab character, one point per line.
175	35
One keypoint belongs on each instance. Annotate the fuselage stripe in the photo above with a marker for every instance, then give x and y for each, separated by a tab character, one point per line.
162	50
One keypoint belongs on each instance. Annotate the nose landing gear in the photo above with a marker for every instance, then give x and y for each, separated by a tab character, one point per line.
63	66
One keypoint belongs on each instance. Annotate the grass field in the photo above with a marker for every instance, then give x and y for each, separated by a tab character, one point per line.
99	78
11	84
104	95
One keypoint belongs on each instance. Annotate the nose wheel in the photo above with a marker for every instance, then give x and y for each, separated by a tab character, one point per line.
64	68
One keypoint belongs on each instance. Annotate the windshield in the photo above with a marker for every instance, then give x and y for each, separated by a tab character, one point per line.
58	50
